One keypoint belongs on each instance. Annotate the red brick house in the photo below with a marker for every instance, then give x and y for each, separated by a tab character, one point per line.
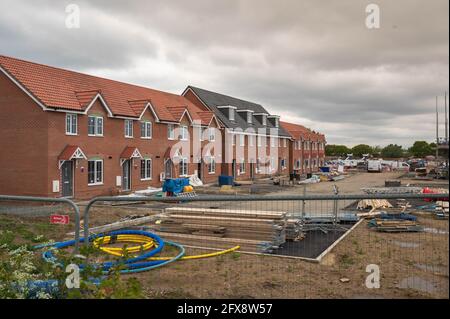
255	145
64	133
307	152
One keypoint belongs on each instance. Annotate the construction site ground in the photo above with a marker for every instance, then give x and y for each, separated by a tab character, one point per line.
412	265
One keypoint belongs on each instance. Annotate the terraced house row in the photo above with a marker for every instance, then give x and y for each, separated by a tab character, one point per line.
68	134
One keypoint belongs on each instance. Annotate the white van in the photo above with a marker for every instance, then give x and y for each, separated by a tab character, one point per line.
374	166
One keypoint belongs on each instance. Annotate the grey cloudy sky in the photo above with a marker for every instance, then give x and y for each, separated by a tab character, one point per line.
312	62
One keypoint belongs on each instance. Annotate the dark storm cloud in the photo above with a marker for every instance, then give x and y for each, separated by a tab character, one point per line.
311	61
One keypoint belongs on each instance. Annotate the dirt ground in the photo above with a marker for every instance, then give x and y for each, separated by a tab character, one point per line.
411	265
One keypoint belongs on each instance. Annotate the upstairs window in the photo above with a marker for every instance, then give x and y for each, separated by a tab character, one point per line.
170	131
232	114
146	129
242	140
250	140
128	128
95	125
272	142
264	120
184	133
71	124
212	134
249	118
259	140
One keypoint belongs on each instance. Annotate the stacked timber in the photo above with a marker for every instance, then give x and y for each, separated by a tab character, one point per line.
253	230
395	226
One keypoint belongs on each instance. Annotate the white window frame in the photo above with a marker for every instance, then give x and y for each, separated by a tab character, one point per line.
184	133
250	141
183	164
95	173
148	130
272	164
259	141
249	117
242	166
284	142
212	134
148	174
69	120
97	127
272	141
264	120
283	164
241	140
128	128
212	165
170	132
233	139
232	114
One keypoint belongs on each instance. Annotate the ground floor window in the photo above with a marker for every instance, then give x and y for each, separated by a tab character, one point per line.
306	163
298	163
95	172
212	165
283	163
183	166
242	166
146	169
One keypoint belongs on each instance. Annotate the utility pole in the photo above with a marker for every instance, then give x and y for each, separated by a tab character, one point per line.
437	130
446	119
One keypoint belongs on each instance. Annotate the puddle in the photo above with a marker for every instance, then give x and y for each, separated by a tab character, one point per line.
435	231
406	245
433	269
417	283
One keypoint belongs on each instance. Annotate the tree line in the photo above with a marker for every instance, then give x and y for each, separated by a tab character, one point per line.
419	149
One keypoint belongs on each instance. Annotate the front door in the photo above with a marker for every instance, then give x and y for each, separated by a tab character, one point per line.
200	170
233	168
67	179
126	175
252	171
168	166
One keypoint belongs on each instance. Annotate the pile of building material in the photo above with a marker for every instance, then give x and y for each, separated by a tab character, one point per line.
392	190
442	208
253	230
395	225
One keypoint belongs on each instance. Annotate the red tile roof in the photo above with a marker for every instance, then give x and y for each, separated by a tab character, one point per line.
298	131
57	88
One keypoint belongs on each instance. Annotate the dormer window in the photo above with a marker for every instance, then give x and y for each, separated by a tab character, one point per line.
274	120
264	120
232	115
249	118
229	111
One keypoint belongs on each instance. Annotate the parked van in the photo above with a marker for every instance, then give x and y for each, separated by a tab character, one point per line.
374	166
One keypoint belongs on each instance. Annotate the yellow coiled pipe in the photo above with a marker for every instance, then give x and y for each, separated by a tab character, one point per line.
145	244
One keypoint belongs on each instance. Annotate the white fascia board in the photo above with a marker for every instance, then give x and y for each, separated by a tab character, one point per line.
149	105
227	107
99	96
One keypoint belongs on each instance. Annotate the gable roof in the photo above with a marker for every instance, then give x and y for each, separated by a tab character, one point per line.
299	132
59	89
215	100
